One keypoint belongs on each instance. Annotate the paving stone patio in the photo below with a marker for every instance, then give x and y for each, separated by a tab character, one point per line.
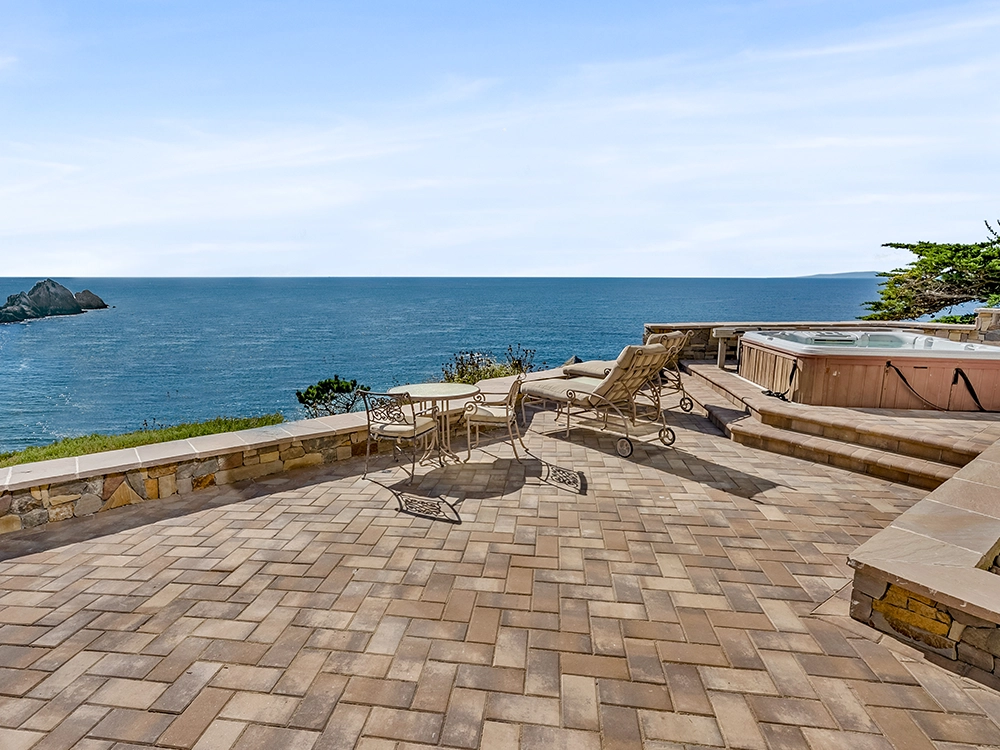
687	597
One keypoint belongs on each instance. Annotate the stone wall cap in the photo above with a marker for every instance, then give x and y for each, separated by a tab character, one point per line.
157	454
37	473
766	324
894	545
339	424
970	590
108	462
214	445
952	525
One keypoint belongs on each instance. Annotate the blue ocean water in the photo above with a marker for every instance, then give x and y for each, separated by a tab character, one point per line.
179	350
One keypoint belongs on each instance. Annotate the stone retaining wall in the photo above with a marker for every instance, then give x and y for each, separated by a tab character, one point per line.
47	491
35	494
970	644
703	345
929	578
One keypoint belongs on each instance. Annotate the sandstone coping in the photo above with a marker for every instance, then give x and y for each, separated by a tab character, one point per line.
705	344
929	578
24	476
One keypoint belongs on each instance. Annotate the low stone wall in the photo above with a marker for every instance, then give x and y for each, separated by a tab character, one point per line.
704	345
48	491
968	644
929	579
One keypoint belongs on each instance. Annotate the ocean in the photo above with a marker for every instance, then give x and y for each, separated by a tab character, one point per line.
182	350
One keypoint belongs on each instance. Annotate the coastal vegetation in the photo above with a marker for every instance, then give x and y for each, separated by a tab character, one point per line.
471	366
86	444
942	276
331	396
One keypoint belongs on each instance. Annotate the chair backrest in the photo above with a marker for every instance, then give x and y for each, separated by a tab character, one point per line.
388	408
514	392
642	363
675	343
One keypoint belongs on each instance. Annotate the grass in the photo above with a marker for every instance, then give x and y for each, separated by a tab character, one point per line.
81	446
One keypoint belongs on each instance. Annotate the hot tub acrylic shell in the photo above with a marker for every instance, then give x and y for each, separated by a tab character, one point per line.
832	371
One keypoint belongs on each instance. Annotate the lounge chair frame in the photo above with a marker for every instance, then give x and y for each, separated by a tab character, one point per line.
623	395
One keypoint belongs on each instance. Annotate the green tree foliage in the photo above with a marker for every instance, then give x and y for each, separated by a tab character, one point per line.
331	396
943	275
471	367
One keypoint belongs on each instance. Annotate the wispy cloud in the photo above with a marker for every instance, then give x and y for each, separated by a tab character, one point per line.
792	159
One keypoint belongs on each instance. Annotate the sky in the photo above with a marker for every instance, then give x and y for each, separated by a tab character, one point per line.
437	138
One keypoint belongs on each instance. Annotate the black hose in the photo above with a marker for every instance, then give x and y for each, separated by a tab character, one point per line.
960	373
783	396
910	387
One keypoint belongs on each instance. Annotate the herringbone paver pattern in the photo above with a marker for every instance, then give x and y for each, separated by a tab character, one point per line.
685	598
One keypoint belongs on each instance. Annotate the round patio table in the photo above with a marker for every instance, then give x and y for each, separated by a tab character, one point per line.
437	393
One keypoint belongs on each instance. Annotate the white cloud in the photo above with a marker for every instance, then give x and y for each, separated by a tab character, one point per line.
774	162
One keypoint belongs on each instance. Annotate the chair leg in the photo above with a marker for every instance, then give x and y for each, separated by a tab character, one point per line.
368	445
519	438
468	440
513	445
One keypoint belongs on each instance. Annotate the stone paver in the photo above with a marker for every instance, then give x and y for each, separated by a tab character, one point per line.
691	596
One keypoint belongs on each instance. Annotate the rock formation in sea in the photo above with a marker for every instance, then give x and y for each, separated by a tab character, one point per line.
48	298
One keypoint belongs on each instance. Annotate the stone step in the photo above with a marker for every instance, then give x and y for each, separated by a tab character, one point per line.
896	467
740	422
897	431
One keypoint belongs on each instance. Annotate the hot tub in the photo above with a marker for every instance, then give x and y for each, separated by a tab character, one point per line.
880	369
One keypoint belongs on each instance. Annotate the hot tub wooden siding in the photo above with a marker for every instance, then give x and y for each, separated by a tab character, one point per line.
864	381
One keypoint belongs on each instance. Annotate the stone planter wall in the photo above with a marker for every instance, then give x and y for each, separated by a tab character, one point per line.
967	644
929	579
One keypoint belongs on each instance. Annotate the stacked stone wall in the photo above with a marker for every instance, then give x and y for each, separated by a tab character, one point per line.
960	641
704	345
45	503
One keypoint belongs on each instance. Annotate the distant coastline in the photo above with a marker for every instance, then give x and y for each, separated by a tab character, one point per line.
846	275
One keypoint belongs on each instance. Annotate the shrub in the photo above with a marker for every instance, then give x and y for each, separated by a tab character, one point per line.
472	366
331	396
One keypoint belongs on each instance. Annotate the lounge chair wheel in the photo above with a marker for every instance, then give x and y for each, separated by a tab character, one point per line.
624	447
667	436
686	404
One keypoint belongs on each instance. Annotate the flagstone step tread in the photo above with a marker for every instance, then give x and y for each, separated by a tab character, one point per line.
742	426
953	438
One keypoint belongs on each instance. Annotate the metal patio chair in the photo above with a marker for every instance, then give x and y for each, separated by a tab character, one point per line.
483	412
393	416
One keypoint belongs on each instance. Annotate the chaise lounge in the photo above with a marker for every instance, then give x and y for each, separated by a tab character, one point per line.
618	393
669	376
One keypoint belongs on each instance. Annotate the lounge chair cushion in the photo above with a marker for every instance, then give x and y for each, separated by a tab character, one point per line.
557	389
593	368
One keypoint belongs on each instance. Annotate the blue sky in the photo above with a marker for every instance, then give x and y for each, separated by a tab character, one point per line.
174	138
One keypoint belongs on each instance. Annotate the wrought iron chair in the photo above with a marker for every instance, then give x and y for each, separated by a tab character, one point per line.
393	416
481	411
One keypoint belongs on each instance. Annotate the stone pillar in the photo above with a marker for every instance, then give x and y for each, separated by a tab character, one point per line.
988	324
